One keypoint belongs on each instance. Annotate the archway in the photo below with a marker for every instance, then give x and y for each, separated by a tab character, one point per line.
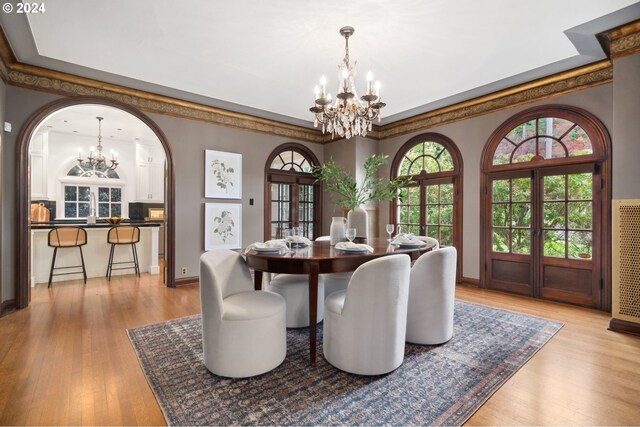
22	285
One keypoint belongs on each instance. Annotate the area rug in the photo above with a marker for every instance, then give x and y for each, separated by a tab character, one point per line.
436	385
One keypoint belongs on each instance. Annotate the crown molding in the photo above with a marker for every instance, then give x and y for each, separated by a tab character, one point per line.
580	78
624	40
42	79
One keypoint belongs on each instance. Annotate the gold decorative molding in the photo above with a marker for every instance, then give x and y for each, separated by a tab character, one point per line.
558	84
624	40
37	78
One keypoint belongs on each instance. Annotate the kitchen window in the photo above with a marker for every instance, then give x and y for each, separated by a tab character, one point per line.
77	200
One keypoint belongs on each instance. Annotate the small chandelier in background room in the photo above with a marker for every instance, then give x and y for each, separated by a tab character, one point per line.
96	160
349	115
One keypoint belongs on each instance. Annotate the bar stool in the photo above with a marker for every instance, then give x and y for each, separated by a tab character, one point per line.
67	237
123	235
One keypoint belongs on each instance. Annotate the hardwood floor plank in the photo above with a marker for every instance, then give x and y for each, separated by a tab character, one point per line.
67	360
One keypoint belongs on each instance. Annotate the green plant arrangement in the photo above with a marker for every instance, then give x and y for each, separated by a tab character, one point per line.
350	193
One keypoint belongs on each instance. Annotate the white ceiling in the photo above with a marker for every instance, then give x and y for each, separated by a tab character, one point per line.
264	57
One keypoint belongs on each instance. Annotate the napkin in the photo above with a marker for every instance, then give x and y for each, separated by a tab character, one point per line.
277	243
351	246
404	239
299	240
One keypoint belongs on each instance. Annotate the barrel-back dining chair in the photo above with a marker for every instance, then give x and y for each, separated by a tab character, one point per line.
63	238
123	235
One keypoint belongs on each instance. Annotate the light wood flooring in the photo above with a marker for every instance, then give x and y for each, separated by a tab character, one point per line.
67	359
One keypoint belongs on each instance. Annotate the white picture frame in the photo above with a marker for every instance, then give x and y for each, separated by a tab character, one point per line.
223	175
222	226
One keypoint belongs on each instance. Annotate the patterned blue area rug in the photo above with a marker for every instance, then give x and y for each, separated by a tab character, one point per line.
436	385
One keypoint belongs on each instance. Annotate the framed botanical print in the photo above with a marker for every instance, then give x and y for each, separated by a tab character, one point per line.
223	175
222	226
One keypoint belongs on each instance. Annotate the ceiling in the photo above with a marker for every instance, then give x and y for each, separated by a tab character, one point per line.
264	57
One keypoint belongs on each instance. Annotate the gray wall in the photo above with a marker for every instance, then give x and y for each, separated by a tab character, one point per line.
471	136
3	90
626	127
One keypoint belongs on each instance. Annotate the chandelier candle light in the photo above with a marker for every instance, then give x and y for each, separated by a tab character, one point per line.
96	160
349	115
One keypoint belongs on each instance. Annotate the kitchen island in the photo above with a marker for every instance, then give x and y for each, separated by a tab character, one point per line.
96	251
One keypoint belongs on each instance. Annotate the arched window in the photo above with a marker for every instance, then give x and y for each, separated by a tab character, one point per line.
431	204
292	196
545	193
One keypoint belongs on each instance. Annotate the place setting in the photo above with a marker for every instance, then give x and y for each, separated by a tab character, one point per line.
349	246
404	240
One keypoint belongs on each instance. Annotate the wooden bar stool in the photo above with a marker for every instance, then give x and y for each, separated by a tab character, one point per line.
67	237
123	235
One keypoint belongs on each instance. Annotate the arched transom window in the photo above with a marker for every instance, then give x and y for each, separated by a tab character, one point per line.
292	196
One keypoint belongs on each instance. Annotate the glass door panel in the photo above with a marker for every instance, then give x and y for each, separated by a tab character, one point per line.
280	209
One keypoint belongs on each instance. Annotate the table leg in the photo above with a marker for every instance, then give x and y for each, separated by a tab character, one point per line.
313	311
257	280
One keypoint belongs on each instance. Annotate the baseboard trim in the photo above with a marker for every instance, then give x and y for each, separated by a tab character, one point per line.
187	281
617	325
7	306
471	281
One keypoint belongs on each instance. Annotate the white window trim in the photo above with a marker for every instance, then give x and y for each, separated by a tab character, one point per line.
93	184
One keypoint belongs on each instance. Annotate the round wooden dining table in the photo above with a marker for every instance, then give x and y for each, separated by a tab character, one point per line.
321	258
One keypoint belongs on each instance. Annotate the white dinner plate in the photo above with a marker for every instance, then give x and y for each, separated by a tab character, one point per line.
267	250
353	249
411	245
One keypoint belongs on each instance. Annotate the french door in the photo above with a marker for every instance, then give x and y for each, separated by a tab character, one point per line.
293	204
544	233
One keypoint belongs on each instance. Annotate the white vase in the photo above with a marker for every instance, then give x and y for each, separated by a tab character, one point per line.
337	230
358	218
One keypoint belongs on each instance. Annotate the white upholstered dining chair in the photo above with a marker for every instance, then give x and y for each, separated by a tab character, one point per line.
364	325
430	241
294	288
243	330
432	297
334	281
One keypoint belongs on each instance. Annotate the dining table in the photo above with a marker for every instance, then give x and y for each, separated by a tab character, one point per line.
322	258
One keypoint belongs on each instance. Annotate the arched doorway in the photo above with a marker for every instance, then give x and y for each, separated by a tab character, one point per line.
546	192
431	205
293	197
22	286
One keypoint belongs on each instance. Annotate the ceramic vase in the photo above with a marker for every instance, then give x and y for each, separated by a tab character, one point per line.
358	218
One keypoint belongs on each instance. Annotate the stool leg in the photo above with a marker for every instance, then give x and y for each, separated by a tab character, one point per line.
109	264
135	258
84	271
53	263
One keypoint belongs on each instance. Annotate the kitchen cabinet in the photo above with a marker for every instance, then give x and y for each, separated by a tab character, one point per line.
38	164
149	173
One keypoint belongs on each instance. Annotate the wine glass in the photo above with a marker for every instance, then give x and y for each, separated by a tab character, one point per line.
389	231
351	234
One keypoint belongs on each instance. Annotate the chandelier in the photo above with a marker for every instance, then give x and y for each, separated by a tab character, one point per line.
348	115
96	161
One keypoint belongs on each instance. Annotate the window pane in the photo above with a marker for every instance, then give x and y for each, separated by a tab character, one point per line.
521	241
580	186
446	193
580	244
116	209
500	215
521	214
116	194
70	210
500	192
560	127
414	229
445	160
83	210
446	236
554	187
554	215
446	214
432	194
551	149
554	241
103	210
404	214
502	155
414	212
580	215
578	142
500	240
432	231
521	189
70	193
431	165
83	194
103	194
432	214
522	132
525	152
414	195
415	166
403	195
277	163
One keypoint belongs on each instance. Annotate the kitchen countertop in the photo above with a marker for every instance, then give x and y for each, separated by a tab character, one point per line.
98	224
